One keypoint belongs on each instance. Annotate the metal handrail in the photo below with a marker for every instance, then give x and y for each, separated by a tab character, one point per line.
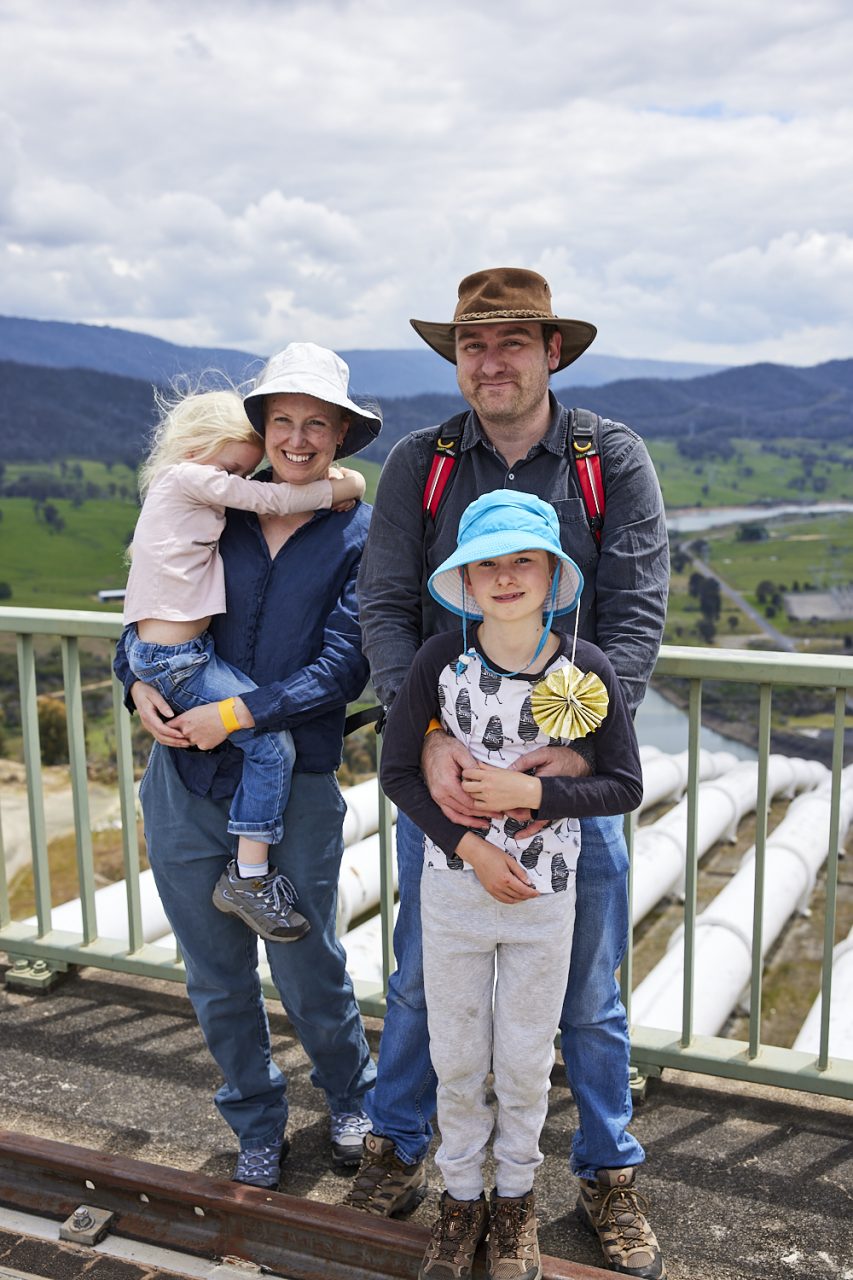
652	1049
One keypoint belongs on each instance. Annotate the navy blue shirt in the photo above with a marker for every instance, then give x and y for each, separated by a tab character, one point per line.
292	627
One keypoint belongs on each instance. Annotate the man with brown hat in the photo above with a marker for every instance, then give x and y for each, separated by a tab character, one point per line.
506	341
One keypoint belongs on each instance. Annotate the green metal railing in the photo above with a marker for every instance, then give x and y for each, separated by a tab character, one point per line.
36	950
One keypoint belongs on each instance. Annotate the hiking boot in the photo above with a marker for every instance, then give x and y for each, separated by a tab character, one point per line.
261	1167
348	1130
265	904
385	1185
513	1242
456	1232
612	1208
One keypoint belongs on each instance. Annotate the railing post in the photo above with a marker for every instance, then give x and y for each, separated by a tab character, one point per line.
690	874
831	877
79	784
386	877
761	807
35	786
127	798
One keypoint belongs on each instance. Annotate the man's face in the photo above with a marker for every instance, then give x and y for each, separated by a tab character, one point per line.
502	369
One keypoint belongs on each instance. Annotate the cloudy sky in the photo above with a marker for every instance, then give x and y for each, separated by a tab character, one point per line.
248	172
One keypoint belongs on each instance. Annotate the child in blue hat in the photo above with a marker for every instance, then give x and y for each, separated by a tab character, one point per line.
498	904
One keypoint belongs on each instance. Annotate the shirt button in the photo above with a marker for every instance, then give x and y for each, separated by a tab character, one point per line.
511	475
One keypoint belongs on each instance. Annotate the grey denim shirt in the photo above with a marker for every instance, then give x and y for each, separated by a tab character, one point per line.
623	606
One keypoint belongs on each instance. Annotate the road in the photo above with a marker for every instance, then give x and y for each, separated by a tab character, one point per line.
779	640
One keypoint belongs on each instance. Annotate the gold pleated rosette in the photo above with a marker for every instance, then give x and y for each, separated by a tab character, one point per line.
569	703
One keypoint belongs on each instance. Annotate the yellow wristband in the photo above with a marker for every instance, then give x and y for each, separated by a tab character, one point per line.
228	715
432	726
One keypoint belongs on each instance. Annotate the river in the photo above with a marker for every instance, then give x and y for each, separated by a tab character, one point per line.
695	519
661	724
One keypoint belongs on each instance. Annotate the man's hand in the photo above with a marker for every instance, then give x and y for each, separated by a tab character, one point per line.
156	715
203	727
498	873
500	790
553	762
442	762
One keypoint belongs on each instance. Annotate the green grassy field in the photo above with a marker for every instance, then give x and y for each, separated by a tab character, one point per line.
758	472
66	569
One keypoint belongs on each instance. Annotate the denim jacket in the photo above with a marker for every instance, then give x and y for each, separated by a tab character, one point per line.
623	607
292	627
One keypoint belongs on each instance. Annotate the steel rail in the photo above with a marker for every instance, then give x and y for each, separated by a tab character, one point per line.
188	1212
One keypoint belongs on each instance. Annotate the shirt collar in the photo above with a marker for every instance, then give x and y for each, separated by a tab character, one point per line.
554	440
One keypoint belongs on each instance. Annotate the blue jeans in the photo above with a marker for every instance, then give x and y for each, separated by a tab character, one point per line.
593	1025
191	675
188	847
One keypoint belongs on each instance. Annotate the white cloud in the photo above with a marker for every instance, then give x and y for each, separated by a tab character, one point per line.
246	174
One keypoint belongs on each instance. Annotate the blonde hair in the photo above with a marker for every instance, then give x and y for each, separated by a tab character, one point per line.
197	423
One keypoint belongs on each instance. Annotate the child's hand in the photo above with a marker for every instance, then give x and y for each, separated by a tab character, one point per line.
499	790
498	873
347	487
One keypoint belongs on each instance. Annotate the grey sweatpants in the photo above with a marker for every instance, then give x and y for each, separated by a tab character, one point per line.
495	979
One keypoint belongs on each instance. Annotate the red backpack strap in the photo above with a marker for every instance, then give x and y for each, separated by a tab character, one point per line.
447	446
587	455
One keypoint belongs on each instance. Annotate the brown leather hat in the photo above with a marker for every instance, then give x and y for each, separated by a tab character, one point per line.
498	295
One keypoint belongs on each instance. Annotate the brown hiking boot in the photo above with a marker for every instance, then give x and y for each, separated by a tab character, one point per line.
384	1184
513	1243
617	1213
457	1231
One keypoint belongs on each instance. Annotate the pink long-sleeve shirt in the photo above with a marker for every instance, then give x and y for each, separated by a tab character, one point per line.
176	573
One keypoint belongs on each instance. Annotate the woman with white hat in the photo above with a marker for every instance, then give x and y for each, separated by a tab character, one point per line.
291	625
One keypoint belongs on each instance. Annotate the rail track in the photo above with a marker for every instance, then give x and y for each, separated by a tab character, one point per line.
191	1214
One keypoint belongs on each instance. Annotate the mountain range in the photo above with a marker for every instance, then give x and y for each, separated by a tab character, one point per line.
50	410
404	372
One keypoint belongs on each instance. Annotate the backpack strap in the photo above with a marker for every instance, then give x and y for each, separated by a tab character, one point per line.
586	452
447	446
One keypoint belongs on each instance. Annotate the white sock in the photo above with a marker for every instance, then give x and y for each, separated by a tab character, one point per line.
251	870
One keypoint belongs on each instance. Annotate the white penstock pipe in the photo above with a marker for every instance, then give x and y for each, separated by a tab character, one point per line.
665	776
362	815
359	885
840	1008
795	851
363	946
660	849
111	912
358	891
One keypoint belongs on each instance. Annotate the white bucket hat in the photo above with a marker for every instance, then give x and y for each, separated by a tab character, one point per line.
303	368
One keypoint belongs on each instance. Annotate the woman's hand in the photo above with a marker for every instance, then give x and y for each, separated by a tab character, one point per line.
156	715
203	727
498	873
496	790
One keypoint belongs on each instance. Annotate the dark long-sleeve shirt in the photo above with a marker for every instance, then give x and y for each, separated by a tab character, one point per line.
292	626
616	787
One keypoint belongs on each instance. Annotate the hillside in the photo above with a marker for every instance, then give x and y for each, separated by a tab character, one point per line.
404	372
52	413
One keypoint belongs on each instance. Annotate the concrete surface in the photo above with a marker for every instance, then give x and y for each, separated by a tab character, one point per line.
743	1181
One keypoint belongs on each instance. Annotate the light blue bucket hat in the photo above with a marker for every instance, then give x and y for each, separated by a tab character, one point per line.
500	524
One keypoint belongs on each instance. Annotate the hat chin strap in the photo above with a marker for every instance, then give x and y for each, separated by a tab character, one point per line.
468	652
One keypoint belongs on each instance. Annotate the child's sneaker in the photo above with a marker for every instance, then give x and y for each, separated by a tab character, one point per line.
264	903
513	1241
